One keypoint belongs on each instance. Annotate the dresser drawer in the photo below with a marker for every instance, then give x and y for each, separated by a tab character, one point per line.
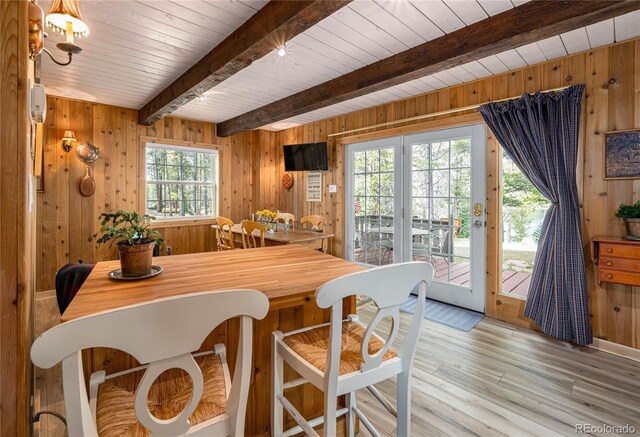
619	250
619	277
631	265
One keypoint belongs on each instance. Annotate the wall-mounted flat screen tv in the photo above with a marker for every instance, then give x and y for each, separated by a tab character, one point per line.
306	157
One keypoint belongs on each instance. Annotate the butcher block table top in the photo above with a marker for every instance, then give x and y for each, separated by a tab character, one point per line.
287	274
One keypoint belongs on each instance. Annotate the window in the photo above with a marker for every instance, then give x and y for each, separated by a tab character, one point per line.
182	182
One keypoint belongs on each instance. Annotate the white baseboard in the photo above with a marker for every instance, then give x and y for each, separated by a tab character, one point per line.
616	349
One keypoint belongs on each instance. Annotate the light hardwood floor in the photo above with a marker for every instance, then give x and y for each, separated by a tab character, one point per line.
496	380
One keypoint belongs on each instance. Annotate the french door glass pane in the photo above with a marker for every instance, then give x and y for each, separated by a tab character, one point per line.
441	205
373	205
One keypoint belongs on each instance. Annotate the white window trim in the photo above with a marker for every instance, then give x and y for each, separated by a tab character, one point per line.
201	219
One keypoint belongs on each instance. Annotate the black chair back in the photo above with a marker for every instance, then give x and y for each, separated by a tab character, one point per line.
69	279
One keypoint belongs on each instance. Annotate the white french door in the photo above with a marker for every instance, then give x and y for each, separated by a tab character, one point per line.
421	197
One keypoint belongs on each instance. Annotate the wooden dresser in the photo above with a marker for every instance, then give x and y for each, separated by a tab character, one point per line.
618	259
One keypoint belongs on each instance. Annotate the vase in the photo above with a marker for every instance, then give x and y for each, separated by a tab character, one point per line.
633	227
135	261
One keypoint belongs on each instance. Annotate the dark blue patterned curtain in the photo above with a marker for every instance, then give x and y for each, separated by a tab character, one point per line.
540	134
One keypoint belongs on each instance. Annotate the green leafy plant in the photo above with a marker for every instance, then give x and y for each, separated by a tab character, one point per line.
127	228
537	232
629	211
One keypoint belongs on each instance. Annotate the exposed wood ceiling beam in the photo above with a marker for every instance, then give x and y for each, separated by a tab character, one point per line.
533	21
269	28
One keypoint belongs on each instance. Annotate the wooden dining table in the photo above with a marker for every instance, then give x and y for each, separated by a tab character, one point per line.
287	274
279	237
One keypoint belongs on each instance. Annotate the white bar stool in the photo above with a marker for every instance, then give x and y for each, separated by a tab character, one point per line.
344	356
175	392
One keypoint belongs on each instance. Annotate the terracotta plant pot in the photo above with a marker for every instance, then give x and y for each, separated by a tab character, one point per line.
136	260
633	227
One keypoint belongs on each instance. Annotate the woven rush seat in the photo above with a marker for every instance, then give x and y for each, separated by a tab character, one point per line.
312	345
168	396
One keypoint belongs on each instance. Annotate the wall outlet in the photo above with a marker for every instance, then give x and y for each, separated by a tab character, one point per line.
333	189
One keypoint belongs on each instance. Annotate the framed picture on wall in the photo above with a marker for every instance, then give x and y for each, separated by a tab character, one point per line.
314	186
622	154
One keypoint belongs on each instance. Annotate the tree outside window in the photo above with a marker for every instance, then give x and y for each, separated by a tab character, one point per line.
523	209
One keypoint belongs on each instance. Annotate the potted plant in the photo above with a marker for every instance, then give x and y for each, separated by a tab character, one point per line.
631	216
135	240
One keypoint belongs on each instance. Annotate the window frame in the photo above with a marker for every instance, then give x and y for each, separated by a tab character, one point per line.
185	146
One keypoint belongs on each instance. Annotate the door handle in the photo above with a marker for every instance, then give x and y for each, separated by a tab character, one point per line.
477	223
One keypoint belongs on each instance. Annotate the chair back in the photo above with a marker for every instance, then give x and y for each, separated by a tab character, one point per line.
69	279
389	287
248	237
440	240
286	218
224	234
316	222
163	334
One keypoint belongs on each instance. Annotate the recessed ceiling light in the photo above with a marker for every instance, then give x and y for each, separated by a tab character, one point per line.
200	97
282	51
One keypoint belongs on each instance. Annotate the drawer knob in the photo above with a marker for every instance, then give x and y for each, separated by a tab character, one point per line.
609	263
609	250
609	276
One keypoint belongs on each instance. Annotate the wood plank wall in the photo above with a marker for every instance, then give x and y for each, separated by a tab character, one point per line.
612	76
254	164
67	221
17	217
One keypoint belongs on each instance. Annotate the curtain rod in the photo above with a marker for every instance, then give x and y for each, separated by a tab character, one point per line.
437	114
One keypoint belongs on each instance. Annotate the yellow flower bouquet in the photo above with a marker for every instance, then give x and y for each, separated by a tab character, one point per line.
268	218
266	215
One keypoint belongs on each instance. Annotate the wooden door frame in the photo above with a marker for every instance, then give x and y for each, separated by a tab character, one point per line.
17	223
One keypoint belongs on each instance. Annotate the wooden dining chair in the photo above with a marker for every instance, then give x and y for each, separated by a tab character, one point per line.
248	237
316	223
286	218
175	391
224	234
343	356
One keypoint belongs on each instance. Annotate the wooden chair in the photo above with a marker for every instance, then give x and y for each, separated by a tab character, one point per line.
224	234
345	355
175	392
316	223
248	238
286	218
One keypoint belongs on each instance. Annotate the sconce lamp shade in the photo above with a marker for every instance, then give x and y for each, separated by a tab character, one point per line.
65	17
68	136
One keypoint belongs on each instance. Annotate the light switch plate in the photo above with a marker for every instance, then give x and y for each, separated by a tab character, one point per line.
333	189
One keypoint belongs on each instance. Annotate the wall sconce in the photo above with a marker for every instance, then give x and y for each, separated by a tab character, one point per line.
67	141
36	30
65	17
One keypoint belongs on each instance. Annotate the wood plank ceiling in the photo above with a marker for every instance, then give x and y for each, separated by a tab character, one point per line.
137	48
